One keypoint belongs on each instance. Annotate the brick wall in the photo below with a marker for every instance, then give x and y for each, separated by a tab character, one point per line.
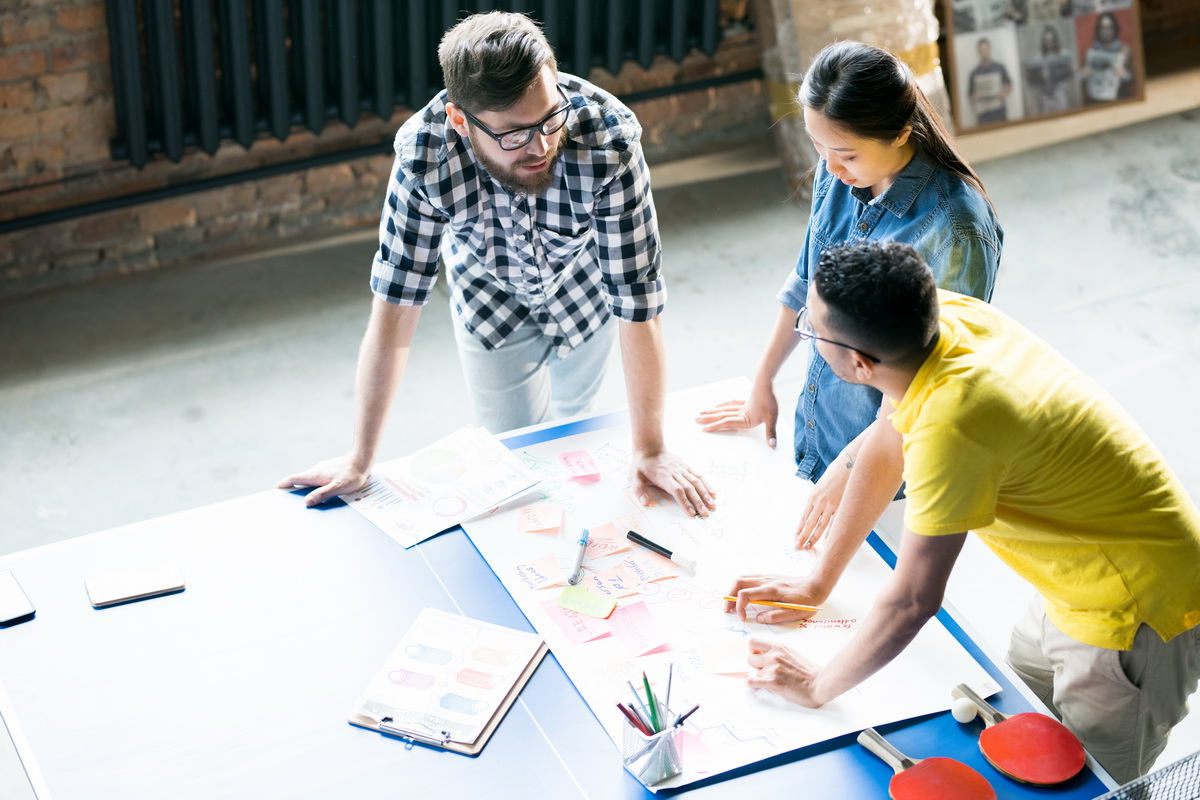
57	119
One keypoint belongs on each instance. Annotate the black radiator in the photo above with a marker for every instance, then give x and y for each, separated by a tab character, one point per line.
196	73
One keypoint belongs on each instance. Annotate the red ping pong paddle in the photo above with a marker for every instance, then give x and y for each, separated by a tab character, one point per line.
1030	748
927	778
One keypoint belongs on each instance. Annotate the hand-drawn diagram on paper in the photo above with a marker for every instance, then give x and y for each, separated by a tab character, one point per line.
668	616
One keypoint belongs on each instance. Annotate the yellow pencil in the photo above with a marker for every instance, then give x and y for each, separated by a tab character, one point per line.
794	606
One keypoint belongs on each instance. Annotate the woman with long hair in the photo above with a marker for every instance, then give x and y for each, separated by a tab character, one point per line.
888	170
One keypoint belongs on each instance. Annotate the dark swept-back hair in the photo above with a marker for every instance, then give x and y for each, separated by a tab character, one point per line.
870	93
880	296
489	60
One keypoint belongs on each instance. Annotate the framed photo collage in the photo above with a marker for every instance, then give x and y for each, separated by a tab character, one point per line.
1014	60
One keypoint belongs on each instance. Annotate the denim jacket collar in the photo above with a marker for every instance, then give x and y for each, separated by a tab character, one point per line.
900	196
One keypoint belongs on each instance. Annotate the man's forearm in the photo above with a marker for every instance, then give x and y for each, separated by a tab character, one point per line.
877	475
382	358
645	365
909	599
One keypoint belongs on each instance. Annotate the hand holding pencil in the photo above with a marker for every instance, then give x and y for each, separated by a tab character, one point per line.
776	599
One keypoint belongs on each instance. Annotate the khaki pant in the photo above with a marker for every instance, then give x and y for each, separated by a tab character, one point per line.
1120	703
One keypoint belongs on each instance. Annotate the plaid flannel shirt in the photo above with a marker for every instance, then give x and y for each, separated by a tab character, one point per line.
585	248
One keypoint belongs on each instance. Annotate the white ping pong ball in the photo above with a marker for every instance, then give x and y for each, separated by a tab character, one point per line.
963	710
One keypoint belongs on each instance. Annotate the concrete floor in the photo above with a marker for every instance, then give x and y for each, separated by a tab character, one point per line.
134	397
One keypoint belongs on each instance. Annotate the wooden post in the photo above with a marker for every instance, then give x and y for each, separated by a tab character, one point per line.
793	31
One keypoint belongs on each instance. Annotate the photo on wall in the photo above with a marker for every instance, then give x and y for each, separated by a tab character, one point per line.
1014	60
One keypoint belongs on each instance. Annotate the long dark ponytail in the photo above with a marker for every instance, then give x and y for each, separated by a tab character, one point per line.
872	94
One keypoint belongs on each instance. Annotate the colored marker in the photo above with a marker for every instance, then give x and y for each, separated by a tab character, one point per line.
680	719
633	720
638	698
667	700
577	570
682	561
794	606
650	701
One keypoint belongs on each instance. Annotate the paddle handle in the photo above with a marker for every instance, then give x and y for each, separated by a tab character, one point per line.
989	714
881	747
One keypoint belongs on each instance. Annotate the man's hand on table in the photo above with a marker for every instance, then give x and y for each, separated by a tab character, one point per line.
777	588
332	477
667	472
783	671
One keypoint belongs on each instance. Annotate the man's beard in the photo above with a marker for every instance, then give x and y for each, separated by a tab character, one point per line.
526	183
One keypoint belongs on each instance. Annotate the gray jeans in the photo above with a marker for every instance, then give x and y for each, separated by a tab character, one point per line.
1120	703
523	382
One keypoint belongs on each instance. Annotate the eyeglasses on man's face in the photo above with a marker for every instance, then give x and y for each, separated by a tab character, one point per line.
519	137
805	331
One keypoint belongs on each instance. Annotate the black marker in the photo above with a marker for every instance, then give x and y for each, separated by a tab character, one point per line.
684	562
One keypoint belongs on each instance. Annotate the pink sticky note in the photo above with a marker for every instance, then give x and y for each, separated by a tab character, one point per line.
637	629
694	752
577	627
541	518
540	573
580	466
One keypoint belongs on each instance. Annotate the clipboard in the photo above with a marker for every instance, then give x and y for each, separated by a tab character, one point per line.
449	682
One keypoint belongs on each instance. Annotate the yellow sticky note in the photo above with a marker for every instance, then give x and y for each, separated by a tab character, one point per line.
578	599
541	518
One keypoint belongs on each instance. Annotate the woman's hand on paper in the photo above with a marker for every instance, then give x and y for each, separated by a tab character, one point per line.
332	477
783	671
669	473
749	589
822	504
760	408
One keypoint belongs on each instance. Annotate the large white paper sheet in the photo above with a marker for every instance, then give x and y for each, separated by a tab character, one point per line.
679	620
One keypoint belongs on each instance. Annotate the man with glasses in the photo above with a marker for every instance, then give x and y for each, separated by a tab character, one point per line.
531	187
995	432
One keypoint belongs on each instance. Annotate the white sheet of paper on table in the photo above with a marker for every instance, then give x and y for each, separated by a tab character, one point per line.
759	500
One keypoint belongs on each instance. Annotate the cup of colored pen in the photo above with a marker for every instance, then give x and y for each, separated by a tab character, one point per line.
649	748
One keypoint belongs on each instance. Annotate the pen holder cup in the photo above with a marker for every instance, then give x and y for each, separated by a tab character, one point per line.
651	759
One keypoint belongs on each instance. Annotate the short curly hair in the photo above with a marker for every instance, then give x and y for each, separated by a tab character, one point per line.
881	297
489	60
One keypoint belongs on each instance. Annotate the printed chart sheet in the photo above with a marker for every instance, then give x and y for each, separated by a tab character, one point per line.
667	616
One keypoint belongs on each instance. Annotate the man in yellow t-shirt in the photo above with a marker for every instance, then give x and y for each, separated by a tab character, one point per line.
993	431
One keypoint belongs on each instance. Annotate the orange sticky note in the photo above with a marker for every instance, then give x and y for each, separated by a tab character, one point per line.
541	573
650	568
615	581
541	518
601	546
580	466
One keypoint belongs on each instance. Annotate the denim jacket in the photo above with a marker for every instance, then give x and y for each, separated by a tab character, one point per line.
948	222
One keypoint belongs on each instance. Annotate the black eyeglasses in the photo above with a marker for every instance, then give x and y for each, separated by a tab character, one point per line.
806	332
519	137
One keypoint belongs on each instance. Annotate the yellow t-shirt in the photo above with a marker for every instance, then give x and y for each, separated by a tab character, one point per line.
1005	437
